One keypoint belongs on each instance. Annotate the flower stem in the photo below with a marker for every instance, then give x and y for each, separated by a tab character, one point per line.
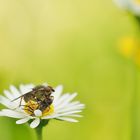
39	132
134	108
39	129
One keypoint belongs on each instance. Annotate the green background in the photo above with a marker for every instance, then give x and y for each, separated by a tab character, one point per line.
69	42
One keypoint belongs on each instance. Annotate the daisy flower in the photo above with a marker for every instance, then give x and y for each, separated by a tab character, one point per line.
132	6
62	108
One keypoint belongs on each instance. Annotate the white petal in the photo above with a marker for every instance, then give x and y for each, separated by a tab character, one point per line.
67	105
69	113
15	92
26	88
57	93
72	96
61	99
74	103
67	119
74	108
13	114
65	101
29	86
75	115
135	8
6	102
49	117
8	95
24	120
38	113
1	113
35	123
121	3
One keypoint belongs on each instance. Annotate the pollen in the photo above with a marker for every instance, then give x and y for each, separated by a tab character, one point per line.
48	111
31	106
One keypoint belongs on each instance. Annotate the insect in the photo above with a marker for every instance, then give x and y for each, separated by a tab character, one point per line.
40	94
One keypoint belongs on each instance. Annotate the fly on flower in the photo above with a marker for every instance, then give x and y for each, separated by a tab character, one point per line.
39	96
39	104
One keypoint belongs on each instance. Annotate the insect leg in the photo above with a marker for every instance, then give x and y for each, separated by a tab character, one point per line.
20	101
29	110
27	106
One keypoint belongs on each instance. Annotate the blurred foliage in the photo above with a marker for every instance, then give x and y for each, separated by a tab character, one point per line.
71	43
129	47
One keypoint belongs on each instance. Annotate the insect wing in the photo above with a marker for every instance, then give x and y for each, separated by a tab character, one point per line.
21	96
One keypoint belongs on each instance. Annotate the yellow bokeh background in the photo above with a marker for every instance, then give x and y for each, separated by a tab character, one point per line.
71	43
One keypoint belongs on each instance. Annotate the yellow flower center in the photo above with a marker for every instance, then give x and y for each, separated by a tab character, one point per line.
31	106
